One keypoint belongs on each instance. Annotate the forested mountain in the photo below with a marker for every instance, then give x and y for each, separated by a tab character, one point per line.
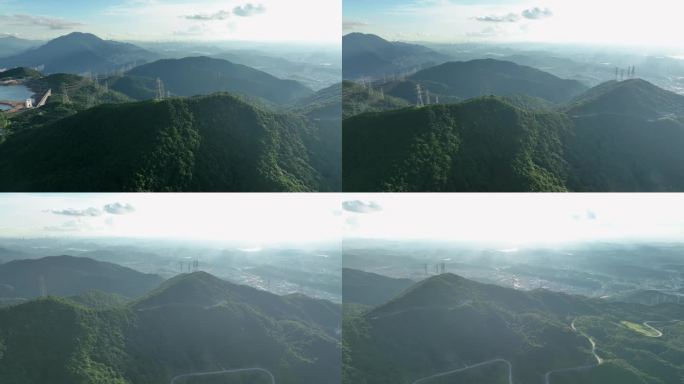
213	143
192	324
464	332
79	53
203	75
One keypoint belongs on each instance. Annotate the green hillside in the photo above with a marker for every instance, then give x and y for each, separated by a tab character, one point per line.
70	94
617	137
446	322
19	73
170	333
213	143
481	145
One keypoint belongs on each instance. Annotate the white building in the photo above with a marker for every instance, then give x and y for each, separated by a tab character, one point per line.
29	103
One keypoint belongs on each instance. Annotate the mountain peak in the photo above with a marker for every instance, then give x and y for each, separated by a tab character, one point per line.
635	97
78	35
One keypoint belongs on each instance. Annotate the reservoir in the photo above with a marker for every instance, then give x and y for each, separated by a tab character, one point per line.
15	92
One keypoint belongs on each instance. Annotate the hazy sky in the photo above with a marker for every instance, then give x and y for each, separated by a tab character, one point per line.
655	22
205	20
515	219
258	219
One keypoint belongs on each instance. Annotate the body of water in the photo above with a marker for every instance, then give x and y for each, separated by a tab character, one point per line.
14	92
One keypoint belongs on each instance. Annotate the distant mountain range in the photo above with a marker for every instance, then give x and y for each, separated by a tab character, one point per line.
449	328
312	75
192	324
365	55
11	45
79	53
619	136
67	276
212	143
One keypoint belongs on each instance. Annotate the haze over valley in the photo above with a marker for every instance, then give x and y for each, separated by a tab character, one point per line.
513	289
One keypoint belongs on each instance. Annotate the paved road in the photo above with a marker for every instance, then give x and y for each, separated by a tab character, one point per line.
657	331
447	373
222	372
599	360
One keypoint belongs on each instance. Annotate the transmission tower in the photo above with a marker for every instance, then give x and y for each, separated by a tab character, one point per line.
160	89
419	96
65	94
43	289
427	97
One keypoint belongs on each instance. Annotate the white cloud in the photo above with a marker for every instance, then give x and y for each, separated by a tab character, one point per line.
507	18
359	206
219	15
537	13
249	9
39	21
88	212
119	209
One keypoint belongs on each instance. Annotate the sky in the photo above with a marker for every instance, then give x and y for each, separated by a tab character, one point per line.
515	219
263	219
624	23
255	219
181	20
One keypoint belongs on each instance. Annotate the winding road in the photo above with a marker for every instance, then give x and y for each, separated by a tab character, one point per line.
599	360
446	373
657	331
222	372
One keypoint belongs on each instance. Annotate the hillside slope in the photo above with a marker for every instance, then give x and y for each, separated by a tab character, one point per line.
370	288
481	145
67	275
192	76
